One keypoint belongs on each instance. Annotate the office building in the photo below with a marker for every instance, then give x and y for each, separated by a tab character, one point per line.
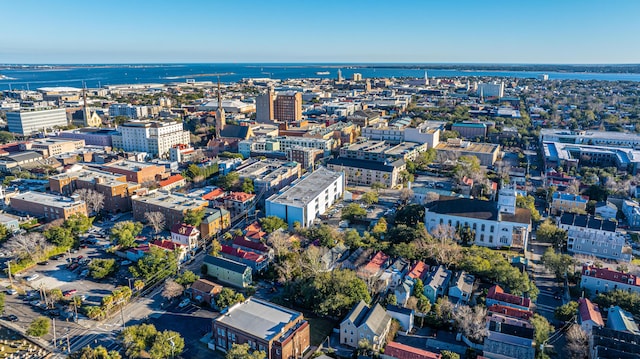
138	172
91	136
152	137
595	138
470	130
487	153
270	175
592	236
307	198
265	107
47	205
52	146
558	154
28	123
287	107
127	110
280	332
306	157
493	89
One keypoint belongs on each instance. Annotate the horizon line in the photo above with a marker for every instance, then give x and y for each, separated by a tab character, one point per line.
320	63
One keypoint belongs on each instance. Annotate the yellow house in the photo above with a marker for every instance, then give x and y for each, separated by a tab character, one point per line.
215	221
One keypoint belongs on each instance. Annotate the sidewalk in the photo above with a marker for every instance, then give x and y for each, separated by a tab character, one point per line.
37	341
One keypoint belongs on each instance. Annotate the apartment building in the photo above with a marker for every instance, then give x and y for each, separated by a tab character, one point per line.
487	153
265	107
172	206
29	122
602	280
138	172
127	110
49	206
153	137
287	107
238	202
306	157
52	146
592	236
283	143
116	189
568	202
280	332
270	175
307	198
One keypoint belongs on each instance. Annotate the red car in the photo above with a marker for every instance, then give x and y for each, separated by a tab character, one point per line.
70	292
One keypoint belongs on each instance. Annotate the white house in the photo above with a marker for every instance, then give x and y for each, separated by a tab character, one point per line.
593	236
185	234
404	315
606	210
494	224
589	316
304	200
364	322
602	280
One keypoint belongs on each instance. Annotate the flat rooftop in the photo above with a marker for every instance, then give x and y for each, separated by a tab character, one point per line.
129	165
48	199
307	189
258	318
468	147
172	201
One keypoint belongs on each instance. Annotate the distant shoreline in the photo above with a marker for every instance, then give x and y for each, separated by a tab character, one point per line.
560	68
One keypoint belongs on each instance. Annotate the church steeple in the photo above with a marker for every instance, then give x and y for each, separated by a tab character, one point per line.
220	115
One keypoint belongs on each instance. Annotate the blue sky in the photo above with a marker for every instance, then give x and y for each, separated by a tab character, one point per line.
473	31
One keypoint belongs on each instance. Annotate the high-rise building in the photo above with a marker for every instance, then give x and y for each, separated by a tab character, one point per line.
264	107
495	89
288	107
31	122
221	120
153	137
357	76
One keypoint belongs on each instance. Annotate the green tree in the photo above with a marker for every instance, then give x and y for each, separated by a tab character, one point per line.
156	265
326	235
166	344
418	287
78	223
426	158
370	197
558	263
4	232
39	327
99	352
137	338
227	298
272	223
333	293
353	211
124	233
447	354
243	351
2	301
194	217
193	171
187	278
566	312
410	215
247	186
550	233
380	228
228	181
60	236
467	166
629	301
101	268
6	137
542	329
528	202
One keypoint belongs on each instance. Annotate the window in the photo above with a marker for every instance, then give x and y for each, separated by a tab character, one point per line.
482	238
492	229
482	227
490	239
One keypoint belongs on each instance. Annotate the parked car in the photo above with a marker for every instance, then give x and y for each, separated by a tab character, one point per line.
70	292
12	318
125	263
84	273
184	303
12	291
32	277
43	263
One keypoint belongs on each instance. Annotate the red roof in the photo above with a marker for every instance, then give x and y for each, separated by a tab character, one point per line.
243	242
237	252
419	271
511	312
184	229
402	351
171	180
215	194
254	231
589	311
376	263
497	293
611	275
239	196
167	245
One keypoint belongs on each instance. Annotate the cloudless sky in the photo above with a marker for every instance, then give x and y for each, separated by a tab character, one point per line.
469	31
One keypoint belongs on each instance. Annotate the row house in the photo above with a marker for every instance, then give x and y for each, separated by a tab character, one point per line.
594	237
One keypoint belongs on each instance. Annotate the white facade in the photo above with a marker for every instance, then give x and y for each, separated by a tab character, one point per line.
495	89
602	280
304	200
594	237
283	143
126	110
31	122
154	138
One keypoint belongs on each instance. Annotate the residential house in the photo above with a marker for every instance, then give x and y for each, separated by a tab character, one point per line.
371	272
436	284
185	234
620	320
594	237
364	322
397	270
606	210
228	271
631	210
461	287
602	280
172	182
589	316
419	271
178	248
331	257
257	262
402	351
238	202
568	202
280	332
357	259
405	316
509	341
496	295
214	222
204	291
241	242
403	292
509	311
613	344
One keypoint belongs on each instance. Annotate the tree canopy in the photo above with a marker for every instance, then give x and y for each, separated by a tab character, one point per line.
194	217
558	263
145	337
410	215
243	351
550	233
227	298
124	233
352	211
157	264
272	223
39	327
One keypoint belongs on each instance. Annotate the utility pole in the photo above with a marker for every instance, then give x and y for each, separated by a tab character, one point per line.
54	333
122	316
9	272
68	343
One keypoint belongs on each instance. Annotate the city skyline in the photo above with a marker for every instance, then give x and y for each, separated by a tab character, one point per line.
544	32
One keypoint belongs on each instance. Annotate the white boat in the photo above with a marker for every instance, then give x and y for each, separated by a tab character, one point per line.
322	73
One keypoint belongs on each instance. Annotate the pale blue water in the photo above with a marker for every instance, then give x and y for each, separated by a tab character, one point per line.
129	74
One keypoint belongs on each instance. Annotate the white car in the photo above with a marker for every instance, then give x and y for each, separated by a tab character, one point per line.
12	291
32	277
184	303
125	263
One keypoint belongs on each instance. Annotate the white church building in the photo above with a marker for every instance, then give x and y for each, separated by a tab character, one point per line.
493	224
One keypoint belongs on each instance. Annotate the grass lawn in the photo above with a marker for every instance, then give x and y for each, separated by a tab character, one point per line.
635	261
320	329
